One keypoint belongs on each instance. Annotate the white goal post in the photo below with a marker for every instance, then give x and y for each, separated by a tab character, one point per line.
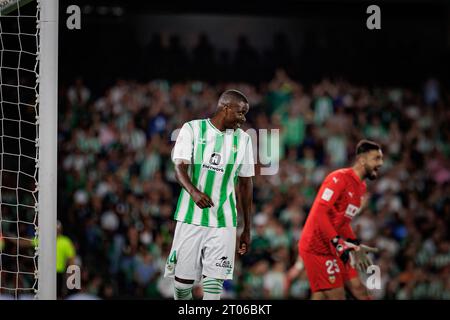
48	145
28	154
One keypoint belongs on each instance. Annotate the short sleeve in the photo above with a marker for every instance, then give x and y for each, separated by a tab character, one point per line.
248	163
184	145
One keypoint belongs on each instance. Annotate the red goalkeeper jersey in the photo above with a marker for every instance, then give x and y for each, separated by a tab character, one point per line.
337	202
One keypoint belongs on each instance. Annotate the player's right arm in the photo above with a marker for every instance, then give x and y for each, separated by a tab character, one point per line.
182	158
329	192
332	188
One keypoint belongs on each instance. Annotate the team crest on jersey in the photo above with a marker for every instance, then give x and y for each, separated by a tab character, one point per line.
332	279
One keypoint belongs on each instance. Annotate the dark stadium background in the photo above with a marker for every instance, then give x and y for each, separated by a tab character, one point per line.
328	55
329	38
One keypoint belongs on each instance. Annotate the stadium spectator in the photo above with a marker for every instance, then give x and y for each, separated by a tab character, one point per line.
65	256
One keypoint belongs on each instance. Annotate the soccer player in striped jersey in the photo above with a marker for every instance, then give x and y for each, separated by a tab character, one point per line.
211	156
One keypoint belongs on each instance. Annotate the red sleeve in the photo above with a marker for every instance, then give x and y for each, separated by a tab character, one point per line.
329	192
347	232
325	225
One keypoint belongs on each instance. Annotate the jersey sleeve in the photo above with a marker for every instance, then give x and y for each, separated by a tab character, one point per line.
347	232
184	146
248	163
70	249
330	191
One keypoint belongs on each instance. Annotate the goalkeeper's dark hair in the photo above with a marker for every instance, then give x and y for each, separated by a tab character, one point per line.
365	146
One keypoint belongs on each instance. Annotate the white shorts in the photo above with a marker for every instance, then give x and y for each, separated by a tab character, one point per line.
198	250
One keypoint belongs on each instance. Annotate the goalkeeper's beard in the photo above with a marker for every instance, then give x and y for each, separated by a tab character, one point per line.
371	174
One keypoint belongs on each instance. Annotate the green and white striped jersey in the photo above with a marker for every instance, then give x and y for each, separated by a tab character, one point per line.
216	160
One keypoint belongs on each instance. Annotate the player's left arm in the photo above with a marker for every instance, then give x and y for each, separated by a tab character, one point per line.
246	194
245	189
358	257
347	231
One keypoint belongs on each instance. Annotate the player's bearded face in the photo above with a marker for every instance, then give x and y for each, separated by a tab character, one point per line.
374	160
371	172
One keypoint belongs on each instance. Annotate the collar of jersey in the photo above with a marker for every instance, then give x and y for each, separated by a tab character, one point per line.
213	126
355	176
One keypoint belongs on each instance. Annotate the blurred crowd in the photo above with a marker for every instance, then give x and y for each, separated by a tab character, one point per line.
117	189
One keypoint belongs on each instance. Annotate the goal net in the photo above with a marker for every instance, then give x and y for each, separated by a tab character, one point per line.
22	241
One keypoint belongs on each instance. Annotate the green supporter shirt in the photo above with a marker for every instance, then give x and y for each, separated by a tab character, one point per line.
65	250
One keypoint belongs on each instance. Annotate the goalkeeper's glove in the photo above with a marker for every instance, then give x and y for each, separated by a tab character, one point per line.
359	257
343	248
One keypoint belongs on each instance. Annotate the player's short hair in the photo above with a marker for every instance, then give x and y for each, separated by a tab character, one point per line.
232	95
364	146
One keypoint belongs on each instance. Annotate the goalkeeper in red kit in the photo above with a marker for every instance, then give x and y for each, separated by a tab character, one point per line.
328	246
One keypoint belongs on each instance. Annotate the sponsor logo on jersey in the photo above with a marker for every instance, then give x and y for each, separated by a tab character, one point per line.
207	166
215	159
224	263
351	211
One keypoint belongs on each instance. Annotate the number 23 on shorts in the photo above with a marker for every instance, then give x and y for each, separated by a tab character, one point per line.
332	266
